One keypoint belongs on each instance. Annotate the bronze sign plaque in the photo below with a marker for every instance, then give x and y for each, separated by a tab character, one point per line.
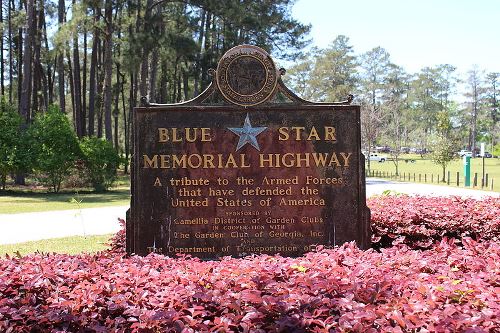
259	171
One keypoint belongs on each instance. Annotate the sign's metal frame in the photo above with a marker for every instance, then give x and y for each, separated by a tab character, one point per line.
221	97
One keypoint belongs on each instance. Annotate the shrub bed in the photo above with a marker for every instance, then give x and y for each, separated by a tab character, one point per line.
419	221
446	289
451	286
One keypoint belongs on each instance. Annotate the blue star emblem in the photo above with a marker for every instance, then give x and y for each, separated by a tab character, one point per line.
247	134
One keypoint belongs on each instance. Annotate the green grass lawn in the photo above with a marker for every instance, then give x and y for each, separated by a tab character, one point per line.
35	198
425	166
24	202
68	245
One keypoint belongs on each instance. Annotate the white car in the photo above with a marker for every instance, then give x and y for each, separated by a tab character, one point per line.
377	157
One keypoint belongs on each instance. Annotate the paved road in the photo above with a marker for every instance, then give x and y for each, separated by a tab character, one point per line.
377	186
16	228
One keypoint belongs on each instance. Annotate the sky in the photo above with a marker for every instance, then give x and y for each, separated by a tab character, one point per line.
416	33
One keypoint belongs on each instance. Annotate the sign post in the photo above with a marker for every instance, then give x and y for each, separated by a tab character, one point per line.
466	160
483	183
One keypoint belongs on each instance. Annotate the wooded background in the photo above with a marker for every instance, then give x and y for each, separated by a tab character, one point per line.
96	58
426	110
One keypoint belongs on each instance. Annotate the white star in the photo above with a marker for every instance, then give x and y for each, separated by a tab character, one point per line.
247	134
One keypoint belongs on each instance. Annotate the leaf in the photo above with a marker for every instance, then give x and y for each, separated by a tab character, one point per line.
301	269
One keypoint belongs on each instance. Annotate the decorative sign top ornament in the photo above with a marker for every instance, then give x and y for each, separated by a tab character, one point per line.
246	75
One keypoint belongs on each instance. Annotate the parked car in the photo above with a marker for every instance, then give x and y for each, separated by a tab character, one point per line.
405	150
382	149
464	152
487	154
378	158
422	151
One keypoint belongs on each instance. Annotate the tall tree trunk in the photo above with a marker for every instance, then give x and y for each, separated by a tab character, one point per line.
179	87
185	84
11	48
115	132
132	103
84	84
20	57
493	107
108	69
154	75
99	120
206	46
164	82
77	85
60	61
93	74
474	122
2	87
100	87
71	86
118	88
26	85
474	81
174	83
17	44
116	112
47	79
143	87
199	55
133	74
25	101
45	89
125	122
37	70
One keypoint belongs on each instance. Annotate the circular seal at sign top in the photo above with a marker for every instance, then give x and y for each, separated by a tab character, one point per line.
246	75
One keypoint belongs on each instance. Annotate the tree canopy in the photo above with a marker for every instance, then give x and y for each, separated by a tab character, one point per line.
398	108
96	58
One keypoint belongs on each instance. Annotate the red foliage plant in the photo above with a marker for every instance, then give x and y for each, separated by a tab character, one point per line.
445	289
118	241
450	286
419	221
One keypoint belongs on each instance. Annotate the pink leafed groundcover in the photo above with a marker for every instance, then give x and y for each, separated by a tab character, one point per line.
435	267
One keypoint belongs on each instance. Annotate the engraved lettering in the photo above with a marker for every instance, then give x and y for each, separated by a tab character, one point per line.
157	182
188	134
346	158
162	134
150	162
330	133
313	134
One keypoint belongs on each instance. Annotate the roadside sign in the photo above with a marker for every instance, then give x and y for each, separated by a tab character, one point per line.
466	160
